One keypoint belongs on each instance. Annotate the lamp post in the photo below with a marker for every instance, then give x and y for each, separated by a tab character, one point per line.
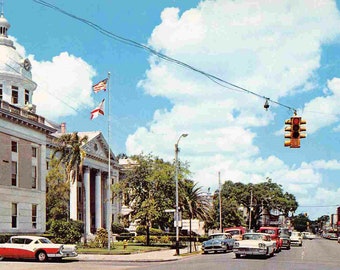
176	181
251	206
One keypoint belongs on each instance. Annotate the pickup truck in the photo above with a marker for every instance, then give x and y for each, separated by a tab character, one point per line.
275	236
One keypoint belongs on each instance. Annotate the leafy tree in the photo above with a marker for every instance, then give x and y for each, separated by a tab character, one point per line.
300	222
149	188
256	198
58	193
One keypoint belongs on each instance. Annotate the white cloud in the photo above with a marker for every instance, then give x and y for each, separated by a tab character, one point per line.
324	110
64	84
270	47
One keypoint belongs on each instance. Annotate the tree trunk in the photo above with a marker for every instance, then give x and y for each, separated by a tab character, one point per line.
148	234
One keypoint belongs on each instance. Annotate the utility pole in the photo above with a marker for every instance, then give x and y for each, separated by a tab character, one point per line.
220	199
251	206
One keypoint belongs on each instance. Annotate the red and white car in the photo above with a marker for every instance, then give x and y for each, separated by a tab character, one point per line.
35	247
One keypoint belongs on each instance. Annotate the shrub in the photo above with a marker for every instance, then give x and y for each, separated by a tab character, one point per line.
164	239
118	228
125	236
68	232
101	238
140	239
141	230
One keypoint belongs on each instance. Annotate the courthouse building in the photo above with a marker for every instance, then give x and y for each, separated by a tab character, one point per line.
26	142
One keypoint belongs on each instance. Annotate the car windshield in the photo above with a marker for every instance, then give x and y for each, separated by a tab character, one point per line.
234	232
268	231
216	236
252	237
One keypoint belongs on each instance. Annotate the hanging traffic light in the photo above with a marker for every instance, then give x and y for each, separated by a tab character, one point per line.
295	128
288	128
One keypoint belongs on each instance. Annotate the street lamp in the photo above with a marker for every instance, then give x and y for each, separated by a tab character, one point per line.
176	181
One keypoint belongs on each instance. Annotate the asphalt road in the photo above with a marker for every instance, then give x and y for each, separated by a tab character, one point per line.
313	255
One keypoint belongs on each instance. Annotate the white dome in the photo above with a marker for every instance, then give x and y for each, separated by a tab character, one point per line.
14	69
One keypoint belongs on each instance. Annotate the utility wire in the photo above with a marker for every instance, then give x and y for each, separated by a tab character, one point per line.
130	42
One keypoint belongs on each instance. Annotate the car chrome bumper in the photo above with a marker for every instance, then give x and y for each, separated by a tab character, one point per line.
250	251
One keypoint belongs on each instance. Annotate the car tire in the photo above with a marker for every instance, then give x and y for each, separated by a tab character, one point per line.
41	256
1	258
238	256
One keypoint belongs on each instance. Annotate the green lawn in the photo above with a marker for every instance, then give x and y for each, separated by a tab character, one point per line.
118	248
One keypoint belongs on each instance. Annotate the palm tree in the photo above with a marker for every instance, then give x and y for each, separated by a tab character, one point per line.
194	203
72	155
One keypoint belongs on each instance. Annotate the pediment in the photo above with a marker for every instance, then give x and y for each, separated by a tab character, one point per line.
96	147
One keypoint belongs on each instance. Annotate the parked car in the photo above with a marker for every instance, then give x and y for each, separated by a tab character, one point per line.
339	239
35	247
218	242
236	232
296	238
332	236
255	244
308	235
285	240
274	234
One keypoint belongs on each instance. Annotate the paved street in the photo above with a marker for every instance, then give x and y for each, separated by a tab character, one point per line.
313	255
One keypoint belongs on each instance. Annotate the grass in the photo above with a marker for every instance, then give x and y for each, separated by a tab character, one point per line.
117	248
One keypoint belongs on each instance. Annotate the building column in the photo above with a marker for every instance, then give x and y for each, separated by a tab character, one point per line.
108	204
87	201
98	200
73	198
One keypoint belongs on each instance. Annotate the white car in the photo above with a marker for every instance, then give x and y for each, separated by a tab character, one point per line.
296	238
35	247
259	244
308	235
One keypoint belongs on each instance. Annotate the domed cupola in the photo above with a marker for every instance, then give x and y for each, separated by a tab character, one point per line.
16	85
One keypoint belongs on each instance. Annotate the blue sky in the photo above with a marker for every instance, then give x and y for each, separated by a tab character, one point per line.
287	51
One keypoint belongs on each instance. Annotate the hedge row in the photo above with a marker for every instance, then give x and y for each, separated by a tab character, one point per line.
160	239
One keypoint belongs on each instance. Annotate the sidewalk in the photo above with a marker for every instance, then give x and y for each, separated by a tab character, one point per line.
153	256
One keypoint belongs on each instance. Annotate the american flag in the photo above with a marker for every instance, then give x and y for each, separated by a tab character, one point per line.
100	86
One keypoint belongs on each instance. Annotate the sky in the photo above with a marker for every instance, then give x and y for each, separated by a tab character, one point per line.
287	51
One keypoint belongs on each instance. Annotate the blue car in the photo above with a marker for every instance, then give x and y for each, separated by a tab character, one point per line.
218	242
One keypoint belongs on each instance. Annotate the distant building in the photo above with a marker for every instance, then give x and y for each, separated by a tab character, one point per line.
26	142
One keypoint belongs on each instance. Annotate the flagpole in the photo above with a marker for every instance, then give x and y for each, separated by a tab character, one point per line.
109	204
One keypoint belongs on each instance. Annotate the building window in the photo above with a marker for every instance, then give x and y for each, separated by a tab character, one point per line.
14	215
15	91
34	216
27	96
14	146
34	151
1	91
34	176
14	173
47	165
